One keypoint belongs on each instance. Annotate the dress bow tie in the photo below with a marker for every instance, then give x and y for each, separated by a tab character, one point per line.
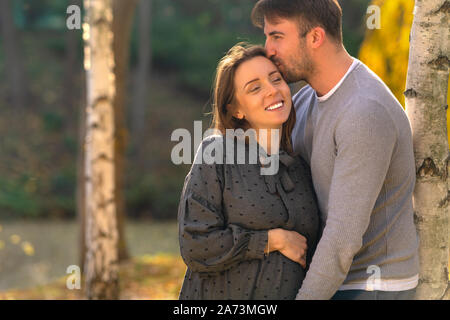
283	177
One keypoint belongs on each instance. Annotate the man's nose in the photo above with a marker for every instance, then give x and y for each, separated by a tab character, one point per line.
269	49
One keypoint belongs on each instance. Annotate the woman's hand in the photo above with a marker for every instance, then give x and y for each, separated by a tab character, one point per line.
291	244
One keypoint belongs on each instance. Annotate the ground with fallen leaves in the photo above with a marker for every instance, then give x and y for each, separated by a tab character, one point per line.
155	277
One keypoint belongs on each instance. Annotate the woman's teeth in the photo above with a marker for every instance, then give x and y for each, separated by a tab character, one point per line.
275	106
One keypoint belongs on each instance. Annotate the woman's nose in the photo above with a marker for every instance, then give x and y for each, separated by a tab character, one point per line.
271	89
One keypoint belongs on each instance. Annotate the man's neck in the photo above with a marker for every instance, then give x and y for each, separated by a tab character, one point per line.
330	71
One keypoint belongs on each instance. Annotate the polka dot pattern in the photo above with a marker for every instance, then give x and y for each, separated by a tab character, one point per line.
224	214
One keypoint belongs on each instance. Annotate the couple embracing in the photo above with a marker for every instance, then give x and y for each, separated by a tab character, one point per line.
335	221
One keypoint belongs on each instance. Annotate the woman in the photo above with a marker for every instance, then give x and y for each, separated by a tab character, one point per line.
243	234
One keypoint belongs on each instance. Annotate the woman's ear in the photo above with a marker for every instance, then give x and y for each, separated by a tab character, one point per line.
235	112
239	115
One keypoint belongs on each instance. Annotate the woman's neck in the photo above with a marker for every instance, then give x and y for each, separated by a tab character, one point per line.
269	139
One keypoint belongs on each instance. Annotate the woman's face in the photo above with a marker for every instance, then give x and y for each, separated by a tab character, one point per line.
262	96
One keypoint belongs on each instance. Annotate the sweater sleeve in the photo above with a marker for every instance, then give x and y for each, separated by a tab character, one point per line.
207	242
365	139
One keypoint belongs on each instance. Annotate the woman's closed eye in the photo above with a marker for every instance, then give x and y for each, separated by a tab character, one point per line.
277	80
254	88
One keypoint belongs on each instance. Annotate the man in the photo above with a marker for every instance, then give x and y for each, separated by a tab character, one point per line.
357	139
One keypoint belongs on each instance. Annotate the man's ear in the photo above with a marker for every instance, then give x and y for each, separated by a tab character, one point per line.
316	37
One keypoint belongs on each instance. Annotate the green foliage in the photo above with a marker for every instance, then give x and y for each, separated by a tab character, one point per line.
42	14
70	144
352	40
189	37
17	198
63	182
56	45
353	23
27	197
157	193
53	122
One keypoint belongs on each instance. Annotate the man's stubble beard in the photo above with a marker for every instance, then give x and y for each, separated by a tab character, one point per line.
300	68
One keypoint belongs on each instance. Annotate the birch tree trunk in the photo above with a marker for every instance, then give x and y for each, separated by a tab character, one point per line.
101	268
123	17
426	104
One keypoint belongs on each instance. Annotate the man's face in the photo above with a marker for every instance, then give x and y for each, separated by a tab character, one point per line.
288	49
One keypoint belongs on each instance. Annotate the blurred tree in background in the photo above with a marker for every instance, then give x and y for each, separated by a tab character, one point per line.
16	77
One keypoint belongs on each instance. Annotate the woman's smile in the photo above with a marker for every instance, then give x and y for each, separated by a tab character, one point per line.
275	106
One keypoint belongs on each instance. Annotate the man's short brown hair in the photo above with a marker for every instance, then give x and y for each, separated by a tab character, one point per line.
309	13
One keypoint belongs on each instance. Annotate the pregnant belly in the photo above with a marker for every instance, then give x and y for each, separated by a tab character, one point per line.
279	278
275	277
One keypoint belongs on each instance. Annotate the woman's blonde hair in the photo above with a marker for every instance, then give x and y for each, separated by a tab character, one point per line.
224	91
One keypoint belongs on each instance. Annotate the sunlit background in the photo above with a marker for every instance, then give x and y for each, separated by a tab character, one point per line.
40	137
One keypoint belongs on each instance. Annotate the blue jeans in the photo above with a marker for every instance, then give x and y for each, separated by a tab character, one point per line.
374	295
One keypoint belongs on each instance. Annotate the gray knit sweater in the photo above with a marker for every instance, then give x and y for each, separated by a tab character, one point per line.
359	146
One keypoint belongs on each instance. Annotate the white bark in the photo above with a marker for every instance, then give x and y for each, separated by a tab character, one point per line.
426	103
101	269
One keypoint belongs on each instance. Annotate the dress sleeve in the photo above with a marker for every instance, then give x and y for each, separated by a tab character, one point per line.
207	242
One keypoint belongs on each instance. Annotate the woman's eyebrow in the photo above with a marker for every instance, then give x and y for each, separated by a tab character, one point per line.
250	82
271	73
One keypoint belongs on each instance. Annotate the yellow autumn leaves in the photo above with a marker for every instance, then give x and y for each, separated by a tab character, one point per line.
15	239
386	50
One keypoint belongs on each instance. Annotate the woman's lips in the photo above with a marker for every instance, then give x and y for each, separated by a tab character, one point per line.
275	106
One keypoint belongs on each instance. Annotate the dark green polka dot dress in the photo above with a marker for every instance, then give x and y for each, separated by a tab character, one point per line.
224	216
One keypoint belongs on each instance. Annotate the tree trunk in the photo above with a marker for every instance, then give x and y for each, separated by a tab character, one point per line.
101	269
140	101
123	18
14	68
76	100
81	186
426	96
122	27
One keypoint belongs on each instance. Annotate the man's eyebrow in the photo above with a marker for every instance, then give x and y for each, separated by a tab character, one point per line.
273	33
